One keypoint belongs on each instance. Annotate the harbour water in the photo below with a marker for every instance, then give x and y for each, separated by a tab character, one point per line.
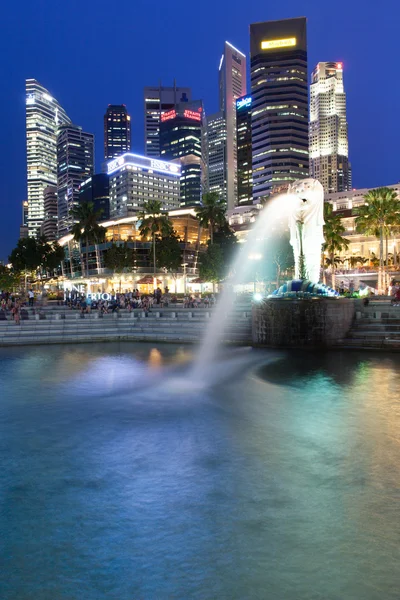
119	481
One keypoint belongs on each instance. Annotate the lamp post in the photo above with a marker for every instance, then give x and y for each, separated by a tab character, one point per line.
184	265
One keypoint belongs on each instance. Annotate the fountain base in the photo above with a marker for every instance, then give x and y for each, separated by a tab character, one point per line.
312	321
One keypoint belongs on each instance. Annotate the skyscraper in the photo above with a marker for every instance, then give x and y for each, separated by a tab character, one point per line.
181	140
328	136
158	100
232	85
75	161
117	131
23	229
279	91
50	222
216	154
244	150
44	115
96	189
135	179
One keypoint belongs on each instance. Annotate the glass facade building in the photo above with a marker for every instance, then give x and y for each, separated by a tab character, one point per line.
244	150
117	131
96	189
75	163
44	116
181	140
49	226
279	90
216	154
232	85
158	100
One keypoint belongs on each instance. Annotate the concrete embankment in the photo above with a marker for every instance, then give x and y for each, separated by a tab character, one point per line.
55	325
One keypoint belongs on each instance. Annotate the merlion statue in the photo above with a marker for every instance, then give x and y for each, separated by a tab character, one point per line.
306	224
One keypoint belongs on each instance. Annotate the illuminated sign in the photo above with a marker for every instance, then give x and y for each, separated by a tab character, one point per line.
104	296
130	160
192	114
243	102
114	164
160	165
284	43
170	114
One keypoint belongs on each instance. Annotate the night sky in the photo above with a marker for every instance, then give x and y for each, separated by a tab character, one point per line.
91	53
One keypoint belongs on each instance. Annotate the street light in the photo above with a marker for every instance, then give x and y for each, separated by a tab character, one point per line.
184	265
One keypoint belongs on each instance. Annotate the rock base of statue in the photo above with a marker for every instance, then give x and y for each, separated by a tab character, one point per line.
303	288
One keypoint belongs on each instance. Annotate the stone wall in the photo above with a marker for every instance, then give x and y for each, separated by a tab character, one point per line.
314	322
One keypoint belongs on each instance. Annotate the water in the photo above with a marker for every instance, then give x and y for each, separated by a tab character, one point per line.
279	481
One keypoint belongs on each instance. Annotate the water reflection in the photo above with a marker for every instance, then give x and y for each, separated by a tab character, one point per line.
280	482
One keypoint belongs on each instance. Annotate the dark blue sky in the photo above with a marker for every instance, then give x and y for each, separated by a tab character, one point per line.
90	53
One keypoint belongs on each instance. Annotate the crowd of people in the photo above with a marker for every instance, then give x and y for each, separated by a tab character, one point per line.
133	299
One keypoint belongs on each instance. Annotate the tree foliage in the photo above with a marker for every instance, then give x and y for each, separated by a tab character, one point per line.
86	227
8	279
379	216
212	213
212	264
333	230
216	262
31	253
169	252
119	257
154	223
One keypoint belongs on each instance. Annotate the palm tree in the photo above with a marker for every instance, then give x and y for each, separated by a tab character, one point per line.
356	260
334	240
118	258
86	227
153	223
380	212
211	213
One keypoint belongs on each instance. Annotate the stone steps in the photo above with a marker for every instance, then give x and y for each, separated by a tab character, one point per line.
186	327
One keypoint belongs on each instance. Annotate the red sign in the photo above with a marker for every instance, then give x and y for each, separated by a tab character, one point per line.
170	114
191	114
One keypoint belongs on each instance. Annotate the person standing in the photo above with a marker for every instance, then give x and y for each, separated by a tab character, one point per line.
31	297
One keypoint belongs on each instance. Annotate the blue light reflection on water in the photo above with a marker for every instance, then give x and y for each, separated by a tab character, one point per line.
281	484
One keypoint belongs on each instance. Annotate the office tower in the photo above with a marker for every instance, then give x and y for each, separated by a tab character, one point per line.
75	161
216	154
158	100
50	222
136	179
96	189
117	131
43	117
23	228
244	150
181	140
232	85
279	104
328	137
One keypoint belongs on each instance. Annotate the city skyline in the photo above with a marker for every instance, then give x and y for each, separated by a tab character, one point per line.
85	103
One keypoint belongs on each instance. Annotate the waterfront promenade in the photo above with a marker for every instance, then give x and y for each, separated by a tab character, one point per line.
58	324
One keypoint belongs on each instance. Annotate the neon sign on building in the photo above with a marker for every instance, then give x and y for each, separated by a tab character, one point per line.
170	114
244	102
114	164
283	43
192	114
